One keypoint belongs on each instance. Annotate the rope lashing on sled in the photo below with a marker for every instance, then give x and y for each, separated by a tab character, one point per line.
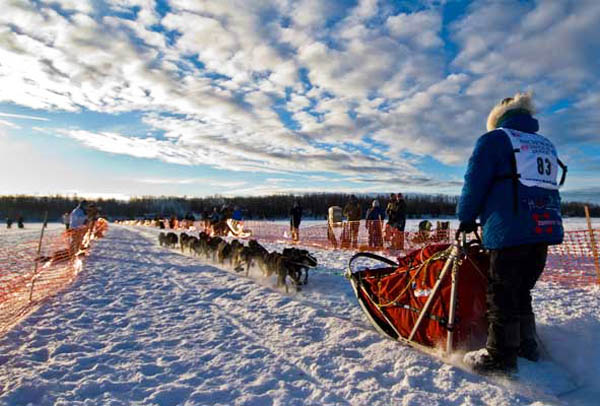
422	267
453	255
442	320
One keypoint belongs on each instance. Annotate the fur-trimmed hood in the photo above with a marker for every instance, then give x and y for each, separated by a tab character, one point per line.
520	101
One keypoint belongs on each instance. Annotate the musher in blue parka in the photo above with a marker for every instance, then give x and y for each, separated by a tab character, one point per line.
511	187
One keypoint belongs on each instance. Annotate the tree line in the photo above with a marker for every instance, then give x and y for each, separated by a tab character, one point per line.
315	205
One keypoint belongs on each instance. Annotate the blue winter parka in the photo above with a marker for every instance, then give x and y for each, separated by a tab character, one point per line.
530	217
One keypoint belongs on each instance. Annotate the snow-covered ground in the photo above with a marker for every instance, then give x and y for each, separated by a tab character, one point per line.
31	232
144	325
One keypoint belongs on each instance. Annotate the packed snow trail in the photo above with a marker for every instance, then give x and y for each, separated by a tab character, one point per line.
144	325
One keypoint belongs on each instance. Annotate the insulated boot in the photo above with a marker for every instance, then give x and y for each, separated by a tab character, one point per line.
500	356
528	347
491	363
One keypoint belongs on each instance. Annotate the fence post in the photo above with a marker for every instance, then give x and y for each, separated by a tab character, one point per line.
39	250
593	241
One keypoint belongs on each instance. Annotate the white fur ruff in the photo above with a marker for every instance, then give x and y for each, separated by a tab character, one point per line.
523	101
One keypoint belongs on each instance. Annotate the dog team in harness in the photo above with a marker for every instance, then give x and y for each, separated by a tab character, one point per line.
478	293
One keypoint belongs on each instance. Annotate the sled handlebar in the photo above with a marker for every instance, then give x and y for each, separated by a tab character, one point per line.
460	234
387	261
461	238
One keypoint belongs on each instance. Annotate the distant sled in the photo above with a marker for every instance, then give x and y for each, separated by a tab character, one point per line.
236	229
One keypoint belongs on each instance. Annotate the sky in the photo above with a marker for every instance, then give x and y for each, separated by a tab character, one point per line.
121	98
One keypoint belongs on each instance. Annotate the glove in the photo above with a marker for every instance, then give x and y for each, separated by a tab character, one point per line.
467	227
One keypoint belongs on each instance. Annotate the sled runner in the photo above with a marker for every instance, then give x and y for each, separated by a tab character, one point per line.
433	297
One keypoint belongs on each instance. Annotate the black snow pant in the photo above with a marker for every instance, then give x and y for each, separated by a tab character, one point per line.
513	273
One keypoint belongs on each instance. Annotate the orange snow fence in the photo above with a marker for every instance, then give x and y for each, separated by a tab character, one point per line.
39	267
574	262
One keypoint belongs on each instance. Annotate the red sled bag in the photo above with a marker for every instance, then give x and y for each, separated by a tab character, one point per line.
433	297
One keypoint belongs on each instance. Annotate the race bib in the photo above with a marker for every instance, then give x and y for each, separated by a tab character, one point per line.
537	161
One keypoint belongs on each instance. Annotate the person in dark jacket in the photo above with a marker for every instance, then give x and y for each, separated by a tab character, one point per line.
391	210
375	216
66	219
352	212
511	186
390	227
400	221
400	212
296	218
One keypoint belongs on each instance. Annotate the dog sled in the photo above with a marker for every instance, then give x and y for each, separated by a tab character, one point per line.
433	297
236	229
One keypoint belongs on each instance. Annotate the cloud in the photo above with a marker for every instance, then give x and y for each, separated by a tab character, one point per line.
420	29
356	90
191	181
156	181
22	116
150	148
86	194
549	49
9	124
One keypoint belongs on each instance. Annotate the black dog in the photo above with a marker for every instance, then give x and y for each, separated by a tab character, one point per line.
299	262
223	252
172	240
274	263
168	240
183	240
212	246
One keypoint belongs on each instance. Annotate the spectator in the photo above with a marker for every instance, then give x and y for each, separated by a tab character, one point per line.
189	220
236	218
78	216
352	212
206	219
334	219
391	211
401	212
20	221
511	186
9	222
400	221
66	218
226	212
374	224
236	214
217	222
296	218
93	212
215	216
